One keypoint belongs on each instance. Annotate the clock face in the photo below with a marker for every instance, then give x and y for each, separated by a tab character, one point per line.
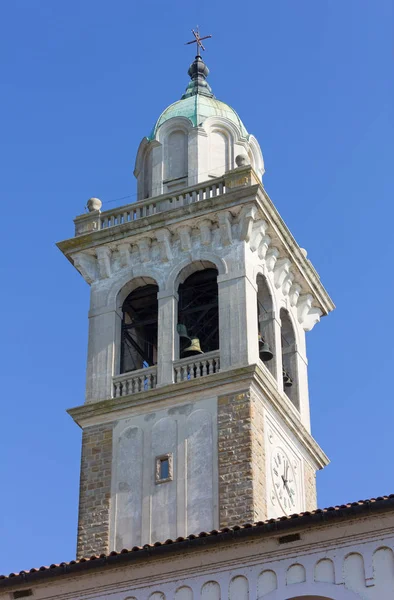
284	491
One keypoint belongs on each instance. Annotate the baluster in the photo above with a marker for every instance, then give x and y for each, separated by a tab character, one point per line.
221	187
151	209
200	195
214	190
198	369
210	366
181	200
208	192
194	196
132	383
204	368
177	374
111	221
115	390
125	217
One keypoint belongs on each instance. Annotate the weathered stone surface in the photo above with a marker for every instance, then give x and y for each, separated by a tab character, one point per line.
95	491
241	459
310	487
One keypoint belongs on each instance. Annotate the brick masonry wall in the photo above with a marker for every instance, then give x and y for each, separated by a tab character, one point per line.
310	487
241	459
95	491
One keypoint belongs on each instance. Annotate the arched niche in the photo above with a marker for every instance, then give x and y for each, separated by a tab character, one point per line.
219	152
265	315
198	308
138	344
289	359
175	156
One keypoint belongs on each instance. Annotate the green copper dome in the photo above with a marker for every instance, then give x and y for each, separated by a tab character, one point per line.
198	102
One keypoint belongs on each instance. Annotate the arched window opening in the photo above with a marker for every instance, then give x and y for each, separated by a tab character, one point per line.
139	329
218	154
175	159
198	313
266	325
289	362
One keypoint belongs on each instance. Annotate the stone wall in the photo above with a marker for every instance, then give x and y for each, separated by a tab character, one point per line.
258	459
241	459
310	487
95	491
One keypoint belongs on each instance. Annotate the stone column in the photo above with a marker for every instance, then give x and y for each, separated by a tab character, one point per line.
101	353
166	336
238	328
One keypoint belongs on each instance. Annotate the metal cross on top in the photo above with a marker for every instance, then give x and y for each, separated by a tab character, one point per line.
198	40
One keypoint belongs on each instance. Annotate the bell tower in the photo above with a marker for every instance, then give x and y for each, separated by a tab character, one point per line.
197	411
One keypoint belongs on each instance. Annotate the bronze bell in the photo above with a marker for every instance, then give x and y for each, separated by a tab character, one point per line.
265	352
193	349
287	380
182	331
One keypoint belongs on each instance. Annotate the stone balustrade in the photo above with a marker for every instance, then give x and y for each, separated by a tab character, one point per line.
97	220
135	381
197	366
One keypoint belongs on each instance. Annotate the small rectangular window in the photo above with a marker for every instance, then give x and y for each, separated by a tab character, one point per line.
163	468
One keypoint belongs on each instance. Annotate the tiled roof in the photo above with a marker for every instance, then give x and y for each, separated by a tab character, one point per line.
320	516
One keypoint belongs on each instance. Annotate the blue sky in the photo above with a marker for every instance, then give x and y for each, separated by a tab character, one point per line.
81	83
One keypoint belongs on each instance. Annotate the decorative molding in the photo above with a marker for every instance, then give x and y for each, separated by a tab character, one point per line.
163	237
225	227
184	233
294	294
247	217
86	265
205	232
144	245
104	261
124	254
271	258
281	271
258	234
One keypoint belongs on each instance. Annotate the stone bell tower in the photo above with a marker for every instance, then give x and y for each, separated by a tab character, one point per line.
197	411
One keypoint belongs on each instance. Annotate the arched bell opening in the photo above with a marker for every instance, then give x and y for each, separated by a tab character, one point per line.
139	329
266	331
289	359
198	313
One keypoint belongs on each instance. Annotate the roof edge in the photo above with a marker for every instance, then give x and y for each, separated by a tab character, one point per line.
319	517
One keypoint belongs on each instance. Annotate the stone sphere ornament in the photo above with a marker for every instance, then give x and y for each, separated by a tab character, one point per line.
94	204
242	160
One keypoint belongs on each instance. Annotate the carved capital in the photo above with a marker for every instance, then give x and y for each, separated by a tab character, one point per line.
247	217
163	237
224	219
104	261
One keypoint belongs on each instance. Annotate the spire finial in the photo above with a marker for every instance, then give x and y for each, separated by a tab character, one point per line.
198	70
198	40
